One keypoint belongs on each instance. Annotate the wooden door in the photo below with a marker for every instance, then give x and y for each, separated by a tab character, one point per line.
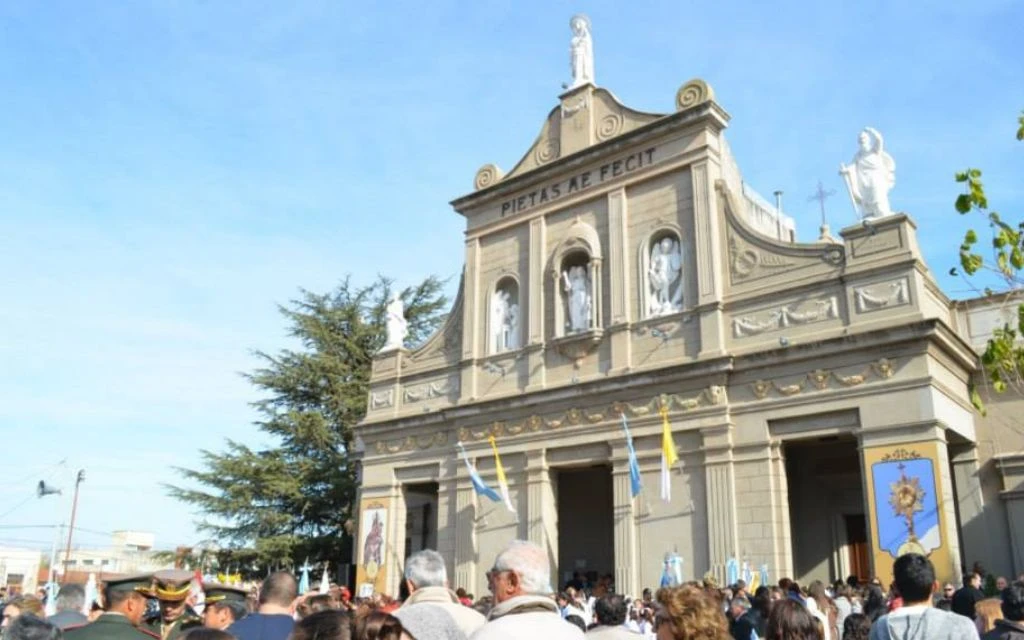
857	546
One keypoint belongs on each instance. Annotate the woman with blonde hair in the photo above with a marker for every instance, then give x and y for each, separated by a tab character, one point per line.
19	605
986	612
689	613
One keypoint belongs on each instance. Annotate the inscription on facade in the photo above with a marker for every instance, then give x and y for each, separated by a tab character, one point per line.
578	182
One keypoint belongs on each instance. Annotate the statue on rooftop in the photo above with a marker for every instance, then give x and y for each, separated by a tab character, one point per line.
581	51
870	176
396	324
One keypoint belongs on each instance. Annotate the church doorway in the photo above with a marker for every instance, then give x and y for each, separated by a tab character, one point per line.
420	517
586	535
826	509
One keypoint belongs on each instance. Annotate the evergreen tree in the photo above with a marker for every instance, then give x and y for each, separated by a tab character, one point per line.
280	504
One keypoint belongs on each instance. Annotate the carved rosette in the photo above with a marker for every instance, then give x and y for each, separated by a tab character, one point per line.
488	175
692	93
609	126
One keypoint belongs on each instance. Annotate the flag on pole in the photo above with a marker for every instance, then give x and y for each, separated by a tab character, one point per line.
502	482
634	468
325	583
668	456
478	483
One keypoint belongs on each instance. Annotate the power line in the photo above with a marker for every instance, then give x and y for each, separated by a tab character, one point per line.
45	470
17	506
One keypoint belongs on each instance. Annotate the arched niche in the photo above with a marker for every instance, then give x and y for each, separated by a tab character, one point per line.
504	317
576	272
661	259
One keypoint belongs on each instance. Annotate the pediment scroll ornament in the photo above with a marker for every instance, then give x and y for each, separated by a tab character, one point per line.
488	175
693	93
822	379
712	396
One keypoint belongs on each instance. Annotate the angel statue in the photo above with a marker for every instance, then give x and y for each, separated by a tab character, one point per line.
664	277
581	51
870	176
397	325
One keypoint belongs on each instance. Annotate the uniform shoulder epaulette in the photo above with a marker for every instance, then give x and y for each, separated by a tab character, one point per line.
149	633
76	626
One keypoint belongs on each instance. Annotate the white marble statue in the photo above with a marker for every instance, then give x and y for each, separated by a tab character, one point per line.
504	322
397	325
577	288
512	328
581	51
870	176
665	278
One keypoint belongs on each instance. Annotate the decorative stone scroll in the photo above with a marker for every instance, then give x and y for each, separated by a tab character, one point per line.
410	443
822	379
382	399
712	396
817	311
488	175
692	93
429	390
879	296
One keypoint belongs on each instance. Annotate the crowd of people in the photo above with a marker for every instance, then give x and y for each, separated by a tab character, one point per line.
522	604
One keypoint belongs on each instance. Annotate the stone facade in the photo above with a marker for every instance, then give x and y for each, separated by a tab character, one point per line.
780	348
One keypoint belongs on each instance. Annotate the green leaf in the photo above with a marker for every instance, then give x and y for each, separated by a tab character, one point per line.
963	203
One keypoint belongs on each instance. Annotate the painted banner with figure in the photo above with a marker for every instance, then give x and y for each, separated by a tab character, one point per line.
905	499
372	541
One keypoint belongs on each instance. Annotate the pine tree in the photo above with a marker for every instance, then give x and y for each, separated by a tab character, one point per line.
277	505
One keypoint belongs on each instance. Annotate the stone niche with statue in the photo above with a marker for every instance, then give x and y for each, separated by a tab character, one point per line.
622	267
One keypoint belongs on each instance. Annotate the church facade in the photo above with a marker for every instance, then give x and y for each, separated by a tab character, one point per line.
816	393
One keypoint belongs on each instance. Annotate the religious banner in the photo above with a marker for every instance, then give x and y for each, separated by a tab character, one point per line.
372	541
905	506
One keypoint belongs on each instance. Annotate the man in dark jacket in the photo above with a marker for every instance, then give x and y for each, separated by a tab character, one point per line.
273	620
125	599
70	602
1011	627
967	596
756	618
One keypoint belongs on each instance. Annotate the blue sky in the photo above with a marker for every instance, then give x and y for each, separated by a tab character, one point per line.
169	171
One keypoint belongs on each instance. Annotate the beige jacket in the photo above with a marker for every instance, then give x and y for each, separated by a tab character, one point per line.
468	620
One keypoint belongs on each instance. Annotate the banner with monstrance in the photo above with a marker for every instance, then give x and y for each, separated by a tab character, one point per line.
905	501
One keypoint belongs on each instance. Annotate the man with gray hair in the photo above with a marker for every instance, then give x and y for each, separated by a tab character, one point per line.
70	602
523	608
427	580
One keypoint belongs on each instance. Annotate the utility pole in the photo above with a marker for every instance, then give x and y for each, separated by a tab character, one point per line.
71	529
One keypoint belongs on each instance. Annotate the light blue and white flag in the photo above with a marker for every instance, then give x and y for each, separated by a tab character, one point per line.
764	575
478	483
635	486
732	571
304	577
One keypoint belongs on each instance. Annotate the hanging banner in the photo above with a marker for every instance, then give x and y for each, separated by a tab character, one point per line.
372	541
905	498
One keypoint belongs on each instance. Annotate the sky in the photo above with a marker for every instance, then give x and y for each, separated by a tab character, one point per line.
171	171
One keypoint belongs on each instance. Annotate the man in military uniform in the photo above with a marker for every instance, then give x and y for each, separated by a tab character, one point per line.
171	588
126	604
224	605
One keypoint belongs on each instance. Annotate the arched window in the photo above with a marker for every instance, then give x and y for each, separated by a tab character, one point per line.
661	271
505	328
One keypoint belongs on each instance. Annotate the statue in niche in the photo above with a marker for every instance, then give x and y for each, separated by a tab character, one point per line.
576	283
504	322
870	176
664	277
581	51
397	325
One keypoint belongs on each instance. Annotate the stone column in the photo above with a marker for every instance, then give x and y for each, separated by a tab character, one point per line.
535	306
627	561
541	511
721	497
470	332
783	558
619	269
970	505
596	295
465	537
707	238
